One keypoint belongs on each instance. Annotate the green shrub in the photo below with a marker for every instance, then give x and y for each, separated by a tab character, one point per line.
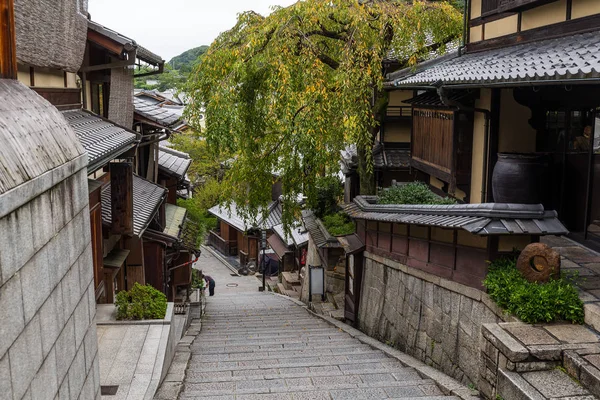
532	302
412	193
327	194
338	224
141	302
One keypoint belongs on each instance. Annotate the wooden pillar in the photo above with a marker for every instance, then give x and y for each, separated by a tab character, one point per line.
8	40
121	188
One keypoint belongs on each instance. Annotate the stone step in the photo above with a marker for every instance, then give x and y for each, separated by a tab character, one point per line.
584	366
333	338
294	373
288	291
290	279
347	367
263	329
218	338
350	386
256	349
270	355
539	385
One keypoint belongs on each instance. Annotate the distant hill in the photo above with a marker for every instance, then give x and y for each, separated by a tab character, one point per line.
186	61
176	71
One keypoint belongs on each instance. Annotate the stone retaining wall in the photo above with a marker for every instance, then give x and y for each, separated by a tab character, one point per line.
433	319
48	341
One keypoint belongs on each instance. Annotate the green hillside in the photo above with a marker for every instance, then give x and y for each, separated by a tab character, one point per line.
187	60
176	71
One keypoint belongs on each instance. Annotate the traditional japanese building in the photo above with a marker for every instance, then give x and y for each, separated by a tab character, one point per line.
512	117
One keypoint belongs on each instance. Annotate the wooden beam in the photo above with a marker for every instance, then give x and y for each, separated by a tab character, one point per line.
106	43
573	26
121	198
8	40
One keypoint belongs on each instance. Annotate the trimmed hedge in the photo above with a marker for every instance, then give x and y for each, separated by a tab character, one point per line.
532	302
141	302
412	193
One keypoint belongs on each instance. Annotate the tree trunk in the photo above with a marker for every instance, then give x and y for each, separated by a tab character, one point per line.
366	174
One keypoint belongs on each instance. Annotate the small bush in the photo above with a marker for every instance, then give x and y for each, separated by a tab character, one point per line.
338	224
141	302
329	190
197	280
412	193
532	302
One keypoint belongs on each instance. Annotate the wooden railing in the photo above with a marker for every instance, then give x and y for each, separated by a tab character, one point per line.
243	258
224	246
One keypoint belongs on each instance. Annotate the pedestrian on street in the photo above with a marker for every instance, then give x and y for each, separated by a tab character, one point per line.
211	285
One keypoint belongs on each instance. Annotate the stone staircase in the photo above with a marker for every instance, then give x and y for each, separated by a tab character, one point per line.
290	285
537	362
264	347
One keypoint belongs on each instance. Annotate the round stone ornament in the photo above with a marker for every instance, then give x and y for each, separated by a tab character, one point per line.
538	262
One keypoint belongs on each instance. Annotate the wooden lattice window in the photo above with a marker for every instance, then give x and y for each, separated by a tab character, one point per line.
498	6
433	134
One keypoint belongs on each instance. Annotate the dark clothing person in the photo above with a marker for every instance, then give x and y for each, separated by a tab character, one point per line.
211	285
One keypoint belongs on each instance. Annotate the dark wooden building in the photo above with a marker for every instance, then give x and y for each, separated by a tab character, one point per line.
520	97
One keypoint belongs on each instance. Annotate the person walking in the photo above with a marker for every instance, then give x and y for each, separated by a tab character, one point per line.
211	285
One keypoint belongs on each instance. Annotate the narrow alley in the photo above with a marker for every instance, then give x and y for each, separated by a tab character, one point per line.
263	346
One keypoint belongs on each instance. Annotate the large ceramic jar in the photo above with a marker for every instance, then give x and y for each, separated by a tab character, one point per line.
519	178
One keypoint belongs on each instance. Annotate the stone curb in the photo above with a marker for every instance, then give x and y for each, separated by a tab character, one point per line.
448	385
220	258
172	385
582	370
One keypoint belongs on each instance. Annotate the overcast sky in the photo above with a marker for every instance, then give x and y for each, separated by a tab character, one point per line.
168	28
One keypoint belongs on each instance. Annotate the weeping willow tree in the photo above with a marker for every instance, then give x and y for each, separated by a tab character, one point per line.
285	93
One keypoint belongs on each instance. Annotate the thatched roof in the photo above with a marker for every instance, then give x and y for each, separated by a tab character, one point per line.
51	33
35	136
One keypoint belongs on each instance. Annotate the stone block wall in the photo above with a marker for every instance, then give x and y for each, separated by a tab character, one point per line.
48	342
433	319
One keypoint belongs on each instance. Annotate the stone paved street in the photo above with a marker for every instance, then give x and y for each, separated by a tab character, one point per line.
261	346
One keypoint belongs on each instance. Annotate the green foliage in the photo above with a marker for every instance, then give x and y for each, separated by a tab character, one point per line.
206	163
197	281
329	191
141	302
412	193
338	224
176	71
188	60
287	92
555	300
169	79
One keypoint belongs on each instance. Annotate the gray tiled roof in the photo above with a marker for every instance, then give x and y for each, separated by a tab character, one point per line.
148	108
390	158
319	234
234	217
479	219
142	53
569	58
383	158
299	235
173	162
102	140
147	197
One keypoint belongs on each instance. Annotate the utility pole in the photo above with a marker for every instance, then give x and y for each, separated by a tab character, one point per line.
263	246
